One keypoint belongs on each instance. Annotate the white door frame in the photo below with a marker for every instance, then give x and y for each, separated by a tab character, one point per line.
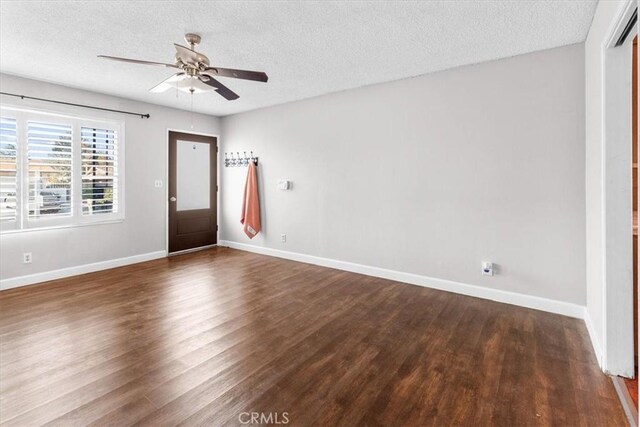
166	188
618	354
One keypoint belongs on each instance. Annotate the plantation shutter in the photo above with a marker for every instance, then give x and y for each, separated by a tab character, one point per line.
49	166
8	168
99	170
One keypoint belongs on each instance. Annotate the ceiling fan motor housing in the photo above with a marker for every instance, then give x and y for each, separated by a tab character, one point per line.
189	60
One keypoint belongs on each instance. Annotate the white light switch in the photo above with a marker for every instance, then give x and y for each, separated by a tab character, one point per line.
284	184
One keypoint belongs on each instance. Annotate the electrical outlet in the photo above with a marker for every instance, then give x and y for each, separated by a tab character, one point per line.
158	183
26	258
283	238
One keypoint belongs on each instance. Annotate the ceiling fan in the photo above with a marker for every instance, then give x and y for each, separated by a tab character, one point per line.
196	75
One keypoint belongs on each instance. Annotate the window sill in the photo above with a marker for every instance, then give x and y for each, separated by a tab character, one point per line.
58	227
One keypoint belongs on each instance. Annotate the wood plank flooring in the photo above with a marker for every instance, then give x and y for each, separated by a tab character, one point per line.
200	339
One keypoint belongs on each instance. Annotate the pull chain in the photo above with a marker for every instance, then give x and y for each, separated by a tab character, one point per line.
191	90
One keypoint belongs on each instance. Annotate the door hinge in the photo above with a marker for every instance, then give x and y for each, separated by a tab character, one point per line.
216	227
216	188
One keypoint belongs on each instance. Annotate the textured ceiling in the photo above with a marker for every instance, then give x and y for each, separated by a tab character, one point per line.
306	48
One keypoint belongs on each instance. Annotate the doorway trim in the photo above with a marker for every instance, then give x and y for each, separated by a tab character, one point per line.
617	295
166	189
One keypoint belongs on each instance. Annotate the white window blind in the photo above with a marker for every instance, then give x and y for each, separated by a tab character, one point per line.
99	170
49	166
8	168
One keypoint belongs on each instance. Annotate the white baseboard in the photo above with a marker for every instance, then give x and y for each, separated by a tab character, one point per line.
595	343
31	279
528	301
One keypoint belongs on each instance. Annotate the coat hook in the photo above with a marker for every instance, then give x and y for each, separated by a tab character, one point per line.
232	159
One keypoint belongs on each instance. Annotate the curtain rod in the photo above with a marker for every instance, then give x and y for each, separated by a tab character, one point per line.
142	116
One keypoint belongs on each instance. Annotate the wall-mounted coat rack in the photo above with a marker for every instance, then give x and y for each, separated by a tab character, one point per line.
231	161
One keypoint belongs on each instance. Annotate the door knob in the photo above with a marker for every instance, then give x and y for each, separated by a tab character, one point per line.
173	199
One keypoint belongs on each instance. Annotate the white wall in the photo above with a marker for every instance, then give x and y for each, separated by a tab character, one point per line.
143	229
431	175
602	26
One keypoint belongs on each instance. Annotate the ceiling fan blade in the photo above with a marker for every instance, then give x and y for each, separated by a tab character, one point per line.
257	76
167	84
137	61
224	91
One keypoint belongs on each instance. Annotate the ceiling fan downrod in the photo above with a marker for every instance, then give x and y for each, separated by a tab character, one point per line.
192	39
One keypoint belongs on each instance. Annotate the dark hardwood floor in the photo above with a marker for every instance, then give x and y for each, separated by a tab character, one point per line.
200	339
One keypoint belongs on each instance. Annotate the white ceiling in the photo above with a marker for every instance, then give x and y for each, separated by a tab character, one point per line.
306	48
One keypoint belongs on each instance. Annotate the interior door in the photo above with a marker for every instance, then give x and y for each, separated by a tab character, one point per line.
192	191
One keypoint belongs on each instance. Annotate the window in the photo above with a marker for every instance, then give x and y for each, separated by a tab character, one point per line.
58	170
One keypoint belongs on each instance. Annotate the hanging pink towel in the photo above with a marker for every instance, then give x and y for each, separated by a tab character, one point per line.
250	216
